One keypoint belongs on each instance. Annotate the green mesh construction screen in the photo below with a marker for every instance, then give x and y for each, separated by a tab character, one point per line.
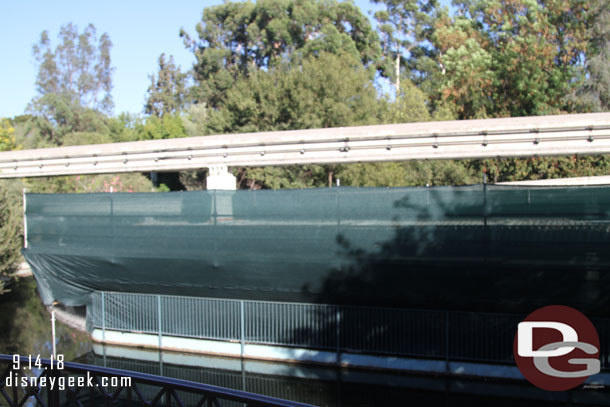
481	248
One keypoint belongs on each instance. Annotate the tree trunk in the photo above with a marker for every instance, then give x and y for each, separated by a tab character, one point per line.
397	74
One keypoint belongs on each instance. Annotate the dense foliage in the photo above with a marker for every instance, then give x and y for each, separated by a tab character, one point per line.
10	229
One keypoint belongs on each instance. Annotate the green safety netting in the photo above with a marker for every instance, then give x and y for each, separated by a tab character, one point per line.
495	248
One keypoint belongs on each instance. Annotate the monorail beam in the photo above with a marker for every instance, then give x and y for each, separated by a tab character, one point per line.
507	137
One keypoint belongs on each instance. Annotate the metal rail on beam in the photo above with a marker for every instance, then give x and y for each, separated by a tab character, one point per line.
514	137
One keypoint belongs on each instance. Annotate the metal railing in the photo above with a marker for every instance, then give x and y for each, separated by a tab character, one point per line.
141	389
431	334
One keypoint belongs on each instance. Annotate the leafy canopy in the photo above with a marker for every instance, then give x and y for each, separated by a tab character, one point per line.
167	90
73	83
236	37
509	58
78	68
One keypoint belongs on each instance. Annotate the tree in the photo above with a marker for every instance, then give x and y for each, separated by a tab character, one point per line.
167	90
74	81
54	116
7	135
327	90
409	173
499	58
77	68
518	169
594	95
237	38
196	120
164	127
467	65
127	182
403	26
10	211
10	229
410	105
124	127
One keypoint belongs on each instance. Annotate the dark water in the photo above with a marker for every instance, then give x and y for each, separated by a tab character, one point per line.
25	328
25	325
325	386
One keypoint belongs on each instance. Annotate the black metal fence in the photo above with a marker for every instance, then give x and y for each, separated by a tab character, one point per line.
108	387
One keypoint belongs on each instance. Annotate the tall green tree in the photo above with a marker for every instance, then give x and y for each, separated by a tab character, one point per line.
79	67
164	127
10	228
403	25
10	211
594	95
519	57
410	105
73	83
236	37
327	90
167	90
497	58
196	120
55	115
7	135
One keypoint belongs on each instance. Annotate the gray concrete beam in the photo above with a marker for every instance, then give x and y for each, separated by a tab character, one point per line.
508	137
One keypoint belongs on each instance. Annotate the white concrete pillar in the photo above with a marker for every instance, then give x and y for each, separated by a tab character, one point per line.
220	178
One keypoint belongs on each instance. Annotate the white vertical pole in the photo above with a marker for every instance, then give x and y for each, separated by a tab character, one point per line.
25	223
397	73
242	327
53	334
159	321
103	318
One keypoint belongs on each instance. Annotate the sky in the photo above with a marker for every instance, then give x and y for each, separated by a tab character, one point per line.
140	31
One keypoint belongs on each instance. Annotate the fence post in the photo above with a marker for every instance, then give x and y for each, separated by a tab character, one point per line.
25	221
242	328
215	214
338	334
103	318
243	375
447	369
104	354
53	393
159	318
